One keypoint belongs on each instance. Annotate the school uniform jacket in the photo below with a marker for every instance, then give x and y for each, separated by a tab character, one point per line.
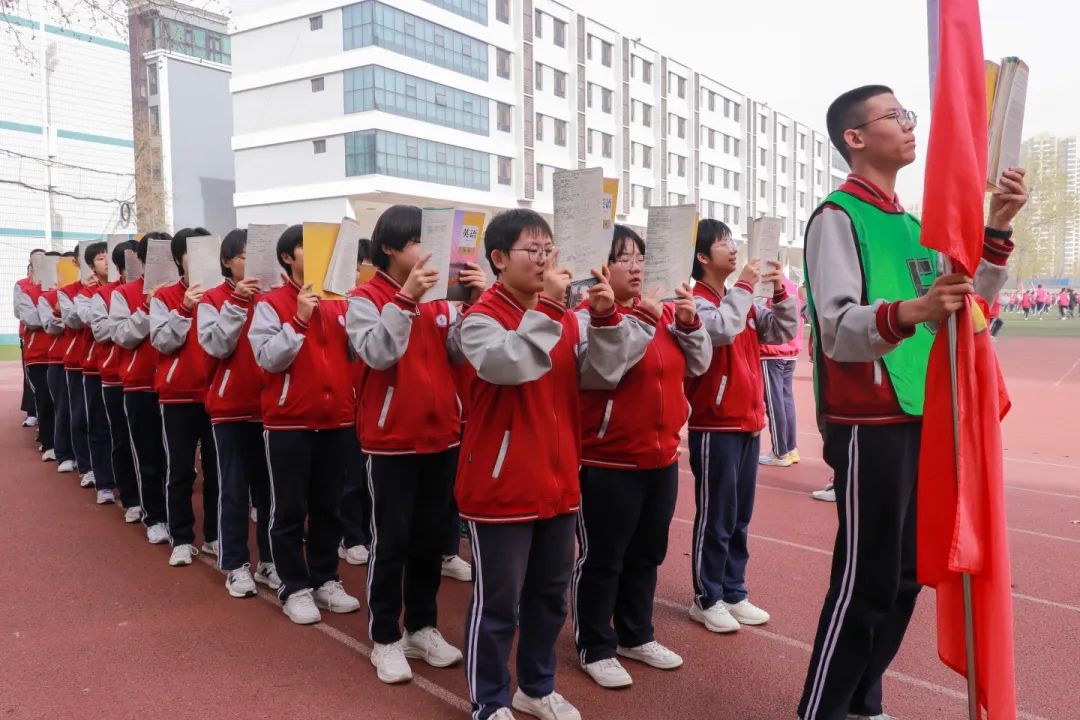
111	358
129	314
76	334
36	341
49	314
730	396
183	368
636	426
91	354
522	445
222	321
309	382
408	401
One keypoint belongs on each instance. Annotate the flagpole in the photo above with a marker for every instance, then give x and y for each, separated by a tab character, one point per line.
969	613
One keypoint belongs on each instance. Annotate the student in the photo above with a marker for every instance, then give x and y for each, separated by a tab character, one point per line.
60	338
778	369
517	482
630	472
112	360
1063	302
411	440
24	298
1042	299
35	356
868	310
97	259
222	320
1026	304
727	413
308	411
77	337
129	315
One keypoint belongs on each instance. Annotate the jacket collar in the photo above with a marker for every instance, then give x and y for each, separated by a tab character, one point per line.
867	191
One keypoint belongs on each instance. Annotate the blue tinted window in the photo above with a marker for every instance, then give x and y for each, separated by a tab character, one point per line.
377	88
376	152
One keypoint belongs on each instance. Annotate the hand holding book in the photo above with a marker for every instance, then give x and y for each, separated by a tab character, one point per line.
422	278
1005	205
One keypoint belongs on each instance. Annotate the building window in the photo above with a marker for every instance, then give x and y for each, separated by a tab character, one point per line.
727	108
764	156
607	142
783	165
712	139
727	144
317	85
680	124
763	189
737	112
539	177
817	177
762	122
783	133
679	84
502	11
727	179
560	133
152	79
372	23
560	33
560	84
802	141
539	126
817	151
155	120
712	174
646	156
377	88
177	36
376	152
605	53
735	181
606	97
315	22
502	63
318	146
802	171
646	115
539	76
802	199
472	9
504	117
588	142
735	215
783	195
646	72
682	165
505	170
735	147
538	31
588	94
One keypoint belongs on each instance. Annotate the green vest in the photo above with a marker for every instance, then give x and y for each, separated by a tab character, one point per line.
894	267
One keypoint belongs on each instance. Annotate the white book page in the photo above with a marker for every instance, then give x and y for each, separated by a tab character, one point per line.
765	246
669	248
341	273
85	270
112	242
579	220
44	267
261	255
204	261
133	266
1013	122
160	268
436	237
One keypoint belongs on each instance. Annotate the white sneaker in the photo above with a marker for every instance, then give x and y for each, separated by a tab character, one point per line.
157	534
87	480
747	613
771	459
456	568
828	494
550	707
429	645
716	619
48	456
211	548
356	555
332	596
300	607
66	467
105	497
608	673
882	716
31	421
390	663
502	714
266	574
653	654
239	582
182	554
133	515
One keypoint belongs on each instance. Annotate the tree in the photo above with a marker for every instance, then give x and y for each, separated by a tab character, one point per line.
1041	230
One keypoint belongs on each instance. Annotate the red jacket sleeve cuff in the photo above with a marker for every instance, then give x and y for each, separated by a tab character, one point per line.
607	319
888	324
183	311
781	296
743	285
683	328
551	308
997	251
298	324
406	303
239	301
644	317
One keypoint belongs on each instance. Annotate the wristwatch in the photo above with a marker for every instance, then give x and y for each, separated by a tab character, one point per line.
999	234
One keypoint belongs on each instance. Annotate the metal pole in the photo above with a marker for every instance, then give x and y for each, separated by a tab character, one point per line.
46	138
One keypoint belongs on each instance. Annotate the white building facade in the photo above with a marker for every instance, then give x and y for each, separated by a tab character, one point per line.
475	103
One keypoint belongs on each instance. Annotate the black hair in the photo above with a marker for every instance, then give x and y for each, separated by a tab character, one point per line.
70	254
708	232
847	111
144	243
292	238
394	229
363	250
118	257
618	241
36	251
179	244
52	253
93	250
233	244
506	227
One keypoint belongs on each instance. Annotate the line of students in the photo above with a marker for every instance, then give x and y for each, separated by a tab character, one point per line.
532	422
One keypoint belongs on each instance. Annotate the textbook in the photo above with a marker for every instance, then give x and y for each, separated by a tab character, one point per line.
86	271
1006	96
261	255
111	243
582	220
204	261
670	239
341	272
44	267
67	271
160	269
133	266
764	245
453	237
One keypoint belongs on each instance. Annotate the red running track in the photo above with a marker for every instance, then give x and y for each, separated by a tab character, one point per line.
94	623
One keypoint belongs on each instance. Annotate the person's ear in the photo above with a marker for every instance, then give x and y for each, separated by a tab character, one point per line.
499	260
854	140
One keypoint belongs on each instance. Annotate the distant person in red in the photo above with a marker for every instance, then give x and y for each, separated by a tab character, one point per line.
1063	302
1025	303
1042	297
995	317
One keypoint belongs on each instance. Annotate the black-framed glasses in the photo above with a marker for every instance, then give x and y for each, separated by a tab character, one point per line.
536	254
903	118
627	260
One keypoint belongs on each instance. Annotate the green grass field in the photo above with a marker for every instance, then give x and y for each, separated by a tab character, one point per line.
1049	326
9	352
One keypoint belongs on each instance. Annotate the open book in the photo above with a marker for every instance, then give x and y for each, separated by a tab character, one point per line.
764	245
133	266
261	255
330	251
584	204
44	267
67	272
1006	95
453	237
160	269
86	270
669	247
111	243
204	261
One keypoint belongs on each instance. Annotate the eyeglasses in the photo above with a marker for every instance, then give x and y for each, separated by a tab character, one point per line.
903	118
536	254
630	260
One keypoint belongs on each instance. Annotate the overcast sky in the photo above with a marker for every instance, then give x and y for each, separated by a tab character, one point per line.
798	55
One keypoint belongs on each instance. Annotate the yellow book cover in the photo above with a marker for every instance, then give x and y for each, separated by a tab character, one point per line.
67	272
992	70
466	246
319	239
611	201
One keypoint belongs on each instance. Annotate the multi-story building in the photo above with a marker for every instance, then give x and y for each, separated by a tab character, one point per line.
182	116
476	103
66	160
1056	163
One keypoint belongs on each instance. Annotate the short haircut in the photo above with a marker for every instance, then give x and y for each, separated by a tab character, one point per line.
52	253
395	228
618	242
144	243
179	244
506	227
847	111
35	251
708	232
119	259
93	250
292	238
363	250
70	254
231	246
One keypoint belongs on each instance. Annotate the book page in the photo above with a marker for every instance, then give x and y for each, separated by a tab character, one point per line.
319	239
261	255
764	245
669	248
992	70
607	212
341	274
160	268
85	270
579	214
67	272
1013	123
466	247
133	266
436	237
44	267
112	242
204	261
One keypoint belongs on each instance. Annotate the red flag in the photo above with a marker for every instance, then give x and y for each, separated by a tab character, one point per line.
961	504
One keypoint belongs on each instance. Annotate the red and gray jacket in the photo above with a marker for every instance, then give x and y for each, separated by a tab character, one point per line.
112	359
405	346
129	315
95	353
522	445
49	314
76	334
636	426
730	396
184	368
36	341
309	382
223	320
789	349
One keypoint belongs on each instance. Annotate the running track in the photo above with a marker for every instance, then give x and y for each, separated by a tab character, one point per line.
94	623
